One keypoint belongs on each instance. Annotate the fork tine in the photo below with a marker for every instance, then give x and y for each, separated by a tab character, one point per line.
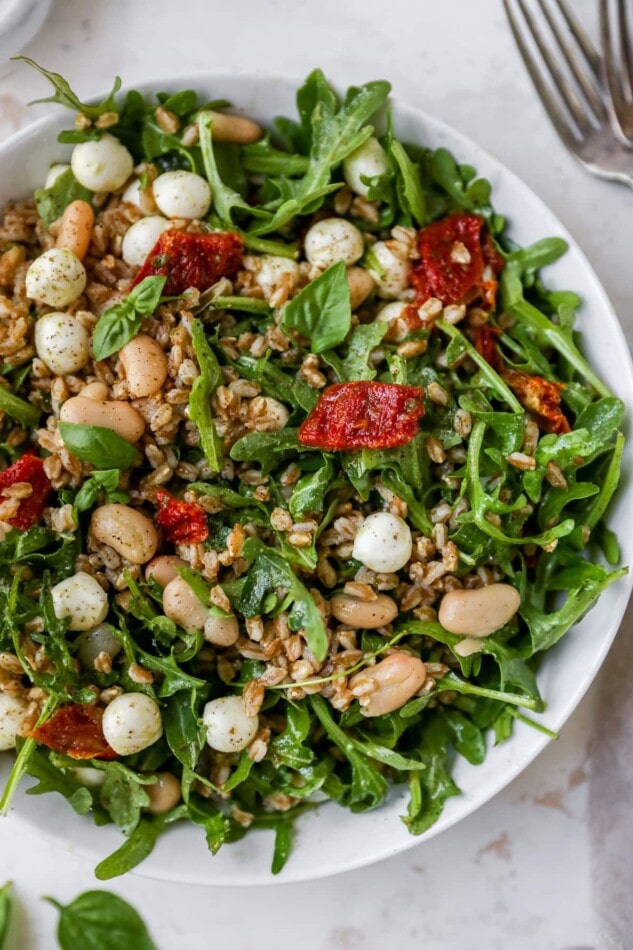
589	90
558	118
612	72
563	87
581	37
625	47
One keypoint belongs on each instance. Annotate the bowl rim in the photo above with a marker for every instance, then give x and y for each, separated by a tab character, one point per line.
460	143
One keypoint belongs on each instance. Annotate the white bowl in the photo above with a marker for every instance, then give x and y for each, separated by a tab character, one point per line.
331	840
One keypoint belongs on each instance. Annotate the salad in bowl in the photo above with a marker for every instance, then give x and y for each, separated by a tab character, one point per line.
302	468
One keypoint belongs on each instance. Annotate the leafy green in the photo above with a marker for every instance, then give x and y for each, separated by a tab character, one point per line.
52	202
412	196
97	445
52	778
5	912
309	493
100	920
182	727
201	394
66	97
123	795
120	324
106	481
321	312
133	850
25	413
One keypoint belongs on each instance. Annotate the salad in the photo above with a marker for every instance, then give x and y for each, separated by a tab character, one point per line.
302	468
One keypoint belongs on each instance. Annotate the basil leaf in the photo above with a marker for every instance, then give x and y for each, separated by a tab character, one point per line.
201	394
100	920
99	446
106	480
5	912
120	324
146	295
19	409
52	202
321	312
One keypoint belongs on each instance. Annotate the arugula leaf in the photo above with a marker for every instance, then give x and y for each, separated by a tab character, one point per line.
184	734
122	794
120	324
100	920
269	571
270	449
322	311
201	394
275	382
133	850
202	812
51	778
27	414
408	183
283	845
66	97
310	491
52	202
99	446
365	338
288	747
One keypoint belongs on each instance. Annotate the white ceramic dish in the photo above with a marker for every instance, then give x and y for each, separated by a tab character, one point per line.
331	840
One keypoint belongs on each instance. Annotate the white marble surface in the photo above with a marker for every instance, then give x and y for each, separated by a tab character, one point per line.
518	873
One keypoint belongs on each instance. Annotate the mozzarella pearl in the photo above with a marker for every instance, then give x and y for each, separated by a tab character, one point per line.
103	164
182	194
140	238
131	723
82	599
57	277
132	194
367	161
12	718
383	543
54	173
394	270
62	342
91	643
332	240
229	728
275	271
92	778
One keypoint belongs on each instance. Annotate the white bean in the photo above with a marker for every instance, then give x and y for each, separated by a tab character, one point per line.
75	230
164	568
365	614
145	365
397	678
234	128
182	605
113	414
361	284
130	532
479	612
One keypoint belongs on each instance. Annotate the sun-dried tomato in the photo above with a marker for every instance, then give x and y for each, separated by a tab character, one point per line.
183	522
192	260
484	338
76	731
453	255
363	415
541	397
28	469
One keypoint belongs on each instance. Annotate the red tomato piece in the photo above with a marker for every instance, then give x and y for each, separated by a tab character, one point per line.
76	731
28	469
192	260
484	338
453	255
363	415
183	522
540	396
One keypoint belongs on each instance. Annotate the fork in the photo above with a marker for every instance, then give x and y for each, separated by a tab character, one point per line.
617	54
569	79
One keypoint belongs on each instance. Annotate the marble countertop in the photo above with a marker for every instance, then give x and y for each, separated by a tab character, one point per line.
518	873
